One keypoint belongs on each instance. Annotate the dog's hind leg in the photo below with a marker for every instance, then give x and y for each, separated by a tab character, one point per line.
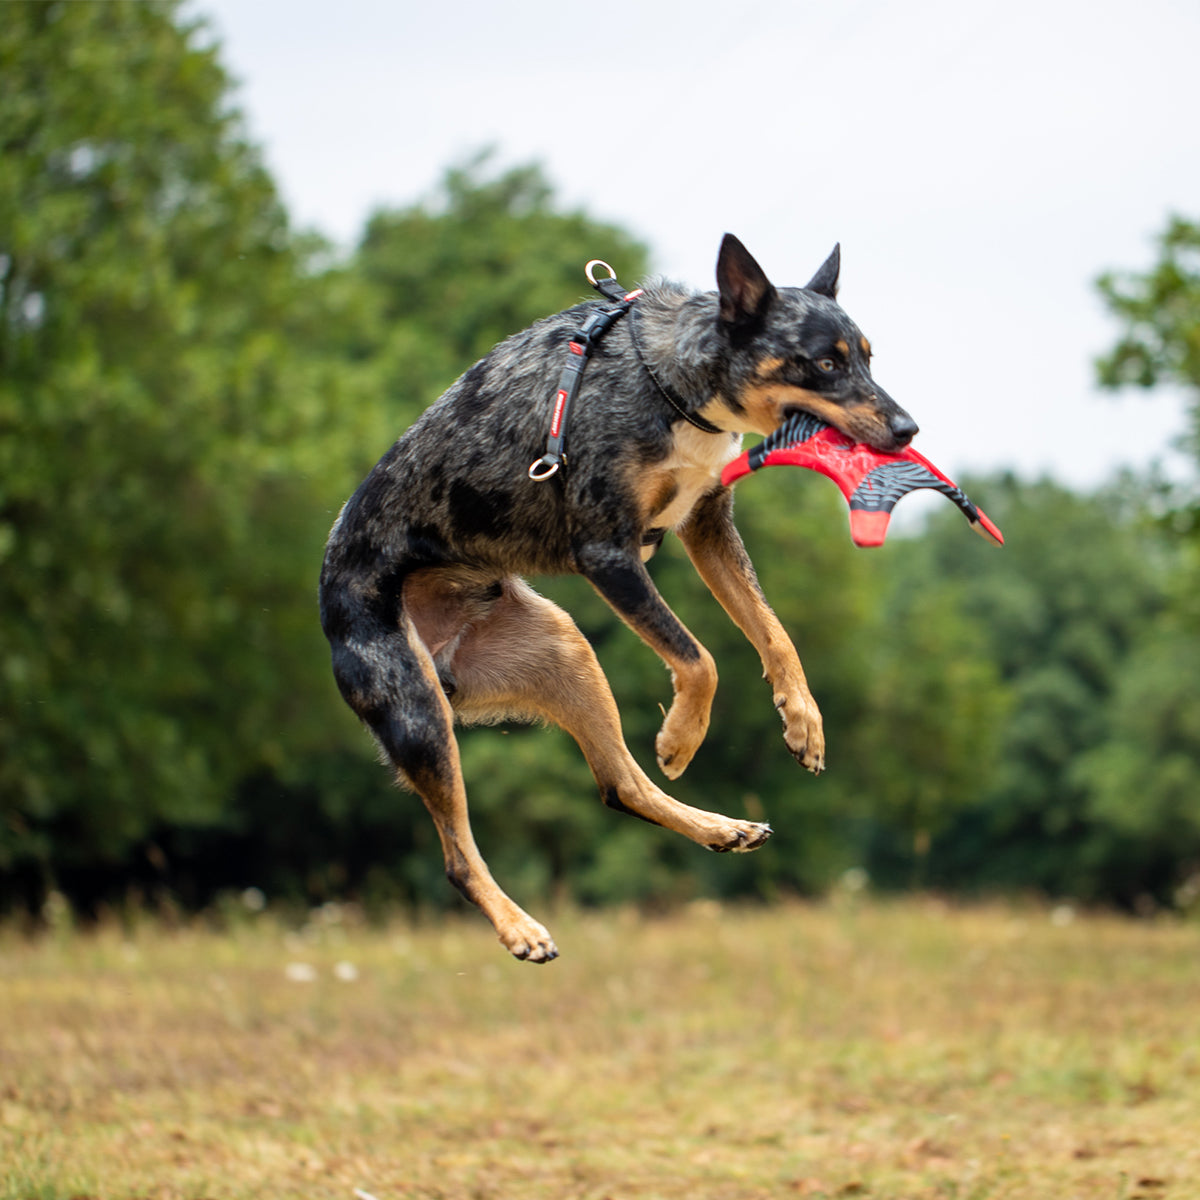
388	677
527	658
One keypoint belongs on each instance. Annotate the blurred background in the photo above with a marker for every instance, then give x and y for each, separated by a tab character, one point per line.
243	245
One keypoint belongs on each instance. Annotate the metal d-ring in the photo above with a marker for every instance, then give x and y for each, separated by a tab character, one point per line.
597	262
549	467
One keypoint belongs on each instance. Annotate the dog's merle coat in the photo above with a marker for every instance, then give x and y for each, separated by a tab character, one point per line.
422	598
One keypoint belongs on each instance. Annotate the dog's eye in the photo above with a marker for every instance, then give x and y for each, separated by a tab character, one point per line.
828	365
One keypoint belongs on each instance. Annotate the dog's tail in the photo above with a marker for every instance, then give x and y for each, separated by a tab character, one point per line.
382	670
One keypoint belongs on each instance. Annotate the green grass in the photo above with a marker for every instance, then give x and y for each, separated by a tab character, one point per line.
906	1050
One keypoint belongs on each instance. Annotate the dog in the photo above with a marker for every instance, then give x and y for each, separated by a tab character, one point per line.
422	594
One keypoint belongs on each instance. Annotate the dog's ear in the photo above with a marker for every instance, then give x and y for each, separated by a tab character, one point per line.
744	289
825	281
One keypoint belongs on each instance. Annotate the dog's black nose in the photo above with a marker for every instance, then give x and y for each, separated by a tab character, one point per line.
903	428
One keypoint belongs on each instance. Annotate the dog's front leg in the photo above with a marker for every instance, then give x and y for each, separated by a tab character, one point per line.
621	579
715	548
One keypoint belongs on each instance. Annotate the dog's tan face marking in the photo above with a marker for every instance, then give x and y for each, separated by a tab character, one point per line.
766	404
769	368
866	346
843	346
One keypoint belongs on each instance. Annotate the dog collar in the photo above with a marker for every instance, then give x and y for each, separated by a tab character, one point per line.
673	400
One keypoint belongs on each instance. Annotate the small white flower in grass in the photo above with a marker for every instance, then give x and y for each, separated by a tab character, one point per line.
347	972
300	972
253	900
1062	915
363	1195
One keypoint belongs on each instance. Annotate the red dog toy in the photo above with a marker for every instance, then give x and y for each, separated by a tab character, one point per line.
871	480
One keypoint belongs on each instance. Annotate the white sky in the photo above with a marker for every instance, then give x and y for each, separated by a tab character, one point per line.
980	163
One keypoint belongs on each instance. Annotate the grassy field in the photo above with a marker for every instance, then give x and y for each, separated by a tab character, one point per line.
906	1050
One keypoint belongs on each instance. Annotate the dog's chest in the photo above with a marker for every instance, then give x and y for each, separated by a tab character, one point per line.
690	471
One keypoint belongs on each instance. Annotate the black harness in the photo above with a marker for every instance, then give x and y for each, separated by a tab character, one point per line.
579	350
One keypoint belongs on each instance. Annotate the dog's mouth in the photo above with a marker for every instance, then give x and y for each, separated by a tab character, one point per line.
888	432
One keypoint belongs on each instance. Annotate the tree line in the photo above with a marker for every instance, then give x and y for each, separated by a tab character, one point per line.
190	387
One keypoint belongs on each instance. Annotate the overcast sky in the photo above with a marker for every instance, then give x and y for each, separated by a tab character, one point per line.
980	164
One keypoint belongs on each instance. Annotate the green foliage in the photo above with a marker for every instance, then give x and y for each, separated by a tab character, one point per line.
1160	313
159	417
1142	778
1066	608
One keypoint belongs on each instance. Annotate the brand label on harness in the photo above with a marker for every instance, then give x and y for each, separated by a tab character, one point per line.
559	404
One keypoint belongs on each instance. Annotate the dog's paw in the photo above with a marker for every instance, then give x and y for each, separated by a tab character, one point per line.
527	940
803	732
672	763
686	722
741	837
678	740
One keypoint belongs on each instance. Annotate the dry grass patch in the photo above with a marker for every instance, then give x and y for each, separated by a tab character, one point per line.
907	1050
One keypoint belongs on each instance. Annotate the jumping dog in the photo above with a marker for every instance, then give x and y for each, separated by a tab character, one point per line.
422	598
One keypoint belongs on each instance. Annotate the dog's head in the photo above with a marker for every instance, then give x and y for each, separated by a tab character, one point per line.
795	350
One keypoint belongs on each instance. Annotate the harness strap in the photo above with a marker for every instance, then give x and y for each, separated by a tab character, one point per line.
579	350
